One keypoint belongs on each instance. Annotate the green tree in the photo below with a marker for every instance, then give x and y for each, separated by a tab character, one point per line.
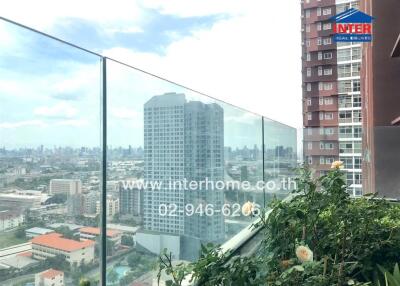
20	233
127	240
112	276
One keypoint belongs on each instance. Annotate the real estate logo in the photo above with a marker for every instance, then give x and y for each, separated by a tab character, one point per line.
352	26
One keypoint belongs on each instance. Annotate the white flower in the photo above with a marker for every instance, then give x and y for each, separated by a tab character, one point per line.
337	165
304	254
248	208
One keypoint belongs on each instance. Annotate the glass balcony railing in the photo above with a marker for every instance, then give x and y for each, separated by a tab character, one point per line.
102	165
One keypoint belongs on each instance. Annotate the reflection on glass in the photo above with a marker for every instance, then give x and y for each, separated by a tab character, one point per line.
181	166
49	159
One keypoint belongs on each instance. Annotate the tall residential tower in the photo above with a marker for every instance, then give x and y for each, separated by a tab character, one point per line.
332	116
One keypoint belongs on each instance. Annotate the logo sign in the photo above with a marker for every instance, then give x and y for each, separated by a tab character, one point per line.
352	26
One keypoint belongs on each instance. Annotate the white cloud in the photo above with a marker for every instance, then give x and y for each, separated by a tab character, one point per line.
59	110
126	113
73	122
26	123
252	59
43	14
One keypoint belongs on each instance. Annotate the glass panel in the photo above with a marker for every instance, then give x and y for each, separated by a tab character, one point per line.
181	166
280	159
50	158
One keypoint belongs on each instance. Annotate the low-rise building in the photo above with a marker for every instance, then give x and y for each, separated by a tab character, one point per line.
65	186
36	231
10	219
112	206
94	232
50	277
53	244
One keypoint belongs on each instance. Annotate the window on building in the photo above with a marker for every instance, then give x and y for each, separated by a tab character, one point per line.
309	116
308	13
309	145
309	102
356	100
357	178
357	147
308	57
344	70
309	160
357	132
343	55
308	86
327	41
318	11
356	53
328	56
347	162
356	85
328	86
308	28
321	116
344	86
328	115
345	132
328	101
320	86
357	163
326	11
319	56
357	116
319	26
319	71
321	101
327	26
345	116
328	71
355	69
308	43
319	41
345	101
308	72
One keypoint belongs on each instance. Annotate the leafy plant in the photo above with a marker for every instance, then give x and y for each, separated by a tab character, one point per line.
389	278
320	236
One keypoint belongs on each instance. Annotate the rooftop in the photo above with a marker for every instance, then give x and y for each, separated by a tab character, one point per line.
39	230
96	231
51	273
56	241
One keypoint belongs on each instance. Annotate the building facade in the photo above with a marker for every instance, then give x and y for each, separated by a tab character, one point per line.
65	186
53	244
10	219
381	107
131	201
50	277
183	141
332	115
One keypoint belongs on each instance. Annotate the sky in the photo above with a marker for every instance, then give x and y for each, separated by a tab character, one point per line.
243	52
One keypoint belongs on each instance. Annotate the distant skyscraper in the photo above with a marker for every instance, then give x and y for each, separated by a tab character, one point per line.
131	201
183	141
164	150
204	159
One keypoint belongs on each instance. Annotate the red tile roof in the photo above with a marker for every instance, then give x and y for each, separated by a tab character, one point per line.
56	241
96	231
51	273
